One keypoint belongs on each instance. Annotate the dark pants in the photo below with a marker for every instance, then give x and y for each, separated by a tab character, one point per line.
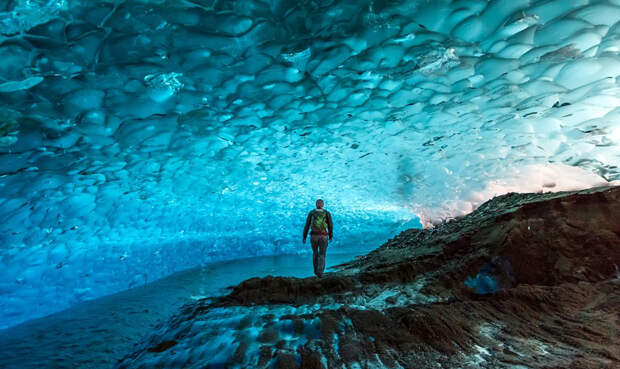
319	248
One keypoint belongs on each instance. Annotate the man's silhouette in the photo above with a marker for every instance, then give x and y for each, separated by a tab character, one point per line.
319	222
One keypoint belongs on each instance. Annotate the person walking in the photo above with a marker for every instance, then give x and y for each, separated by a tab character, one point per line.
319	222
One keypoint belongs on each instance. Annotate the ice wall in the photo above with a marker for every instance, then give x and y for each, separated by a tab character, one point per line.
142	137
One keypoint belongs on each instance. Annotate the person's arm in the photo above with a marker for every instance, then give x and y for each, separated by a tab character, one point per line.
330	225
307	226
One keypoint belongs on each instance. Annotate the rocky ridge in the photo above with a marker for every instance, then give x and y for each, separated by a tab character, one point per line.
526	280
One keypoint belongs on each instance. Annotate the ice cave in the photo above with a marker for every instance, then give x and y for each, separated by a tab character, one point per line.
144	139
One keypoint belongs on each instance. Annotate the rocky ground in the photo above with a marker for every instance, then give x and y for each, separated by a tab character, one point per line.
525	281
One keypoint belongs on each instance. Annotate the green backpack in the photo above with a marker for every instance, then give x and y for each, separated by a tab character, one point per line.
319	221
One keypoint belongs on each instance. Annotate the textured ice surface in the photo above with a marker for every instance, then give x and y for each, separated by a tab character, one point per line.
67	339
142	137
240	336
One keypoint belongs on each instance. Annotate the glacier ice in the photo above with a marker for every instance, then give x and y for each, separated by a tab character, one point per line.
138	138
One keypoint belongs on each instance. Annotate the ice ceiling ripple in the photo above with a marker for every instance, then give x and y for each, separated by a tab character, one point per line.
138	138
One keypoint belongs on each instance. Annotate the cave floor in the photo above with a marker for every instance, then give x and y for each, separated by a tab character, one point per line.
97	333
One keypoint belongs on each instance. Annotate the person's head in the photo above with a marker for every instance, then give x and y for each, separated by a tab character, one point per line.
319	204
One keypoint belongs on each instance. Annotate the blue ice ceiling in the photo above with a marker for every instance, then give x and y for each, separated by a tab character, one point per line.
138	138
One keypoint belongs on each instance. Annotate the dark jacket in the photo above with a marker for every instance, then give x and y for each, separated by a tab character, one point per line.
330	224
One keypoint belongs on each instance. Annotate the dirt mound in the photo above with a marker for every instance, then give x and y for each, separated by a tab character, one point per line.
527	279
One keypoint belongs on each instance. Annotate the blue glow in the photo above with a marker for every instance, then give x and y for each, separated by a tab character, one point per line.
139	138
482	284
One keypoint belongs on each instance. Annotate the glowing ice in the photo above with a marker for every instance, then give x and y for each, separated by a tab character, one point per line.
141	139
